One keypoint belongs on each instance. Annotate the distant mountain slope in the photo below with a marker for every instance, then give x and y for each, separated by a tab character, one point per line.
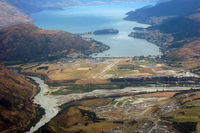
15	11
16	93
178	40
10	15
171	34
163	11
26	42
187	56
30	6
181	28
178	36
162	1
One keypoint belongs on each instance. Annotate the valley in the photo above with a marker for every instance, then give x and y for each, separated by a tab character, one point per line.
111	92
66	76
133	108
91	69
83	19
18	112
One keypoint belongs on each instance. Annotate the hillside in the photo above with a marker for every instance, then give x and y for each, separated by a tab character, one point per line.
10	15
16	11
172	34
177	36
16	93
164	11
178	39
26	42
180	28
31	6
187	56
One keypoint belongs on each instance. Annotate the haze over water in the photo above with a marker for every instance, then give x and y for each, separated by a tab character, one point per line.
79	19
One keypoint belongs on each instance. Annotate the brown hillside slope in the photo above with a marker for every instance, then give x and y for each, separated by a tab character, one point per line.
195	16
27	42
187	56
10	15
16	93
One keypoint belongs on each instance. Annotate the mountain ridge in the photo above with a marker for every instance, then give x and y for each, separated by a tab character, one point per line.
172	31
16	94
10	15
32	6
26	42
162	12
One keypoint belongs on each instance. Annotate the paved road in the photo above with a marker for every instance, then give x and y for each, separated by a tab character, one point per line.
107	68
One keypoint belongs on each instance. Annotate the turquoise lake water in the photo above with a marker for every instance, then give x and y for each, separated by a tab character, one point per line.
79	19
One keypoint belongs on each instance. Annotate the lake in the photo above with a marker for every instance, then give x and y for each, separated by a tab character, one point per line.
79	19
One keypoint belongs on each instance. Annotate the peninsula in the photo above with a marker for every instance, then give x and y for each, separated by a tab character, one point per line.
101	32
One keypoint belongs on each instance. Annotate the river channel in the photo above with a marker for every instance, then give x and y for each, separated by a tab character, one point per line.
51	103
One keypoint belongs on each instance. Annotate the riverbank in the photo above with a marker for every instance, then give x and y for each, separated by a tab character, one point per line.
102	77
48	103
16	95
98	103
51	103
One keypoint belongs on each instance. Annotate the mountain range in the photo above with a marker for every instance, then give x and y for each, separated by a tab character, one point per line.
10	15
16	94
18	11
35	5
164	11
26	42
175	29
178	21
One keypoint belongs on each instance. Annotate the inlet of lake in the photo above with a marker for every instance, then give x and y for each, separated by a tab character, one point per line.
80	19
